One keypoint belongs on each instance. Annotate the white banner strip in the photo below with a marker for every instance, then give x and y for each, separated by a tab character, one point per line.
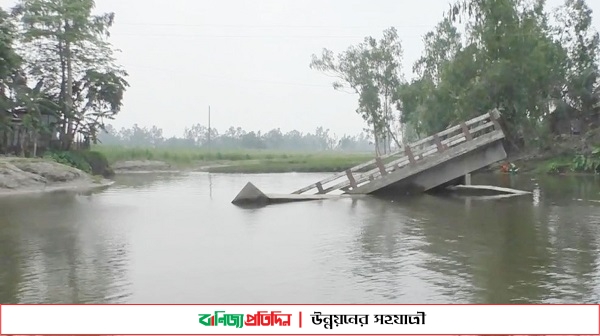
300	319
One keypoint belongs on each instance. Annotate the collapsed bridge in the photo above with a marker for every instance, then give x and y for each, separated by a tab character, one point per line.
438	160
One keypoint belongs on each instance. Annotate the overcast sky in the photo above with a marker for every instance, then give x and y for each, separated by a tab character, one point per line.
249	59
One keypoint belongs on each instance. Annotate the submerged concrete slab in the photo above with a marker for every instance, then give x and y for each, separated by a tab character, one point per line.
486	198
278	198
250	194
486	190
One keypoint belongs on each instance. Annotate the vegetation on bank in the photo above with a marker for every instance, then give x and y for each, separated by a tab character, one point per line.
542	74
238	161
301	163
91	162
58	77
554	160
572	164
99	160
186	156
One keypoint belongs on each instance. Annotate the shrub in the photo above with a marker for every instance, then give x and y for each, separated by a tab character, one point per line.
71	159
98	163
91	162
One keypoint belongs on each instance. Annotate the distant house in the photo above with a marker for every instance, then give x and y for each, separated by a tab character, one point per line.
15	138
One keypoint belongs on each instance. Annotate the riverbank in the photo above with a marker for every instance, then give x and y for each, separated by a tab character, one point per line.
309	164
320	163
139	160
24	176
566	155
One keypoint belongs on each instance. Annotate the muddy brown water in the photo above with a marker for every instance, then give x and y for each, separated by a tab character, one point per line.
175	238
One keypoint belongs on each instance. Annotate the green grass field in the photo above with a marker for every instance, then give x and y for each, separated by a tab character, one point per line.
301	163
240	161
184	155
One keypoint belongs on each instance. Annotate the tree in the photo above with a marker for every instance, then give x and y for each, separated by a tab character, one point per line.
16	95
428	102
372	69
274	139
510	61
197	134
10	63
582	43
66	47
441	45
235	138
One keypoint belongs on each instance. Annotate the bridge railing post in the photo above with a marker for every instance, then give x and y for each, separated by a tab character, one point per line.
409	153
381	166
438	143
319	187
351	178
494	117
466	131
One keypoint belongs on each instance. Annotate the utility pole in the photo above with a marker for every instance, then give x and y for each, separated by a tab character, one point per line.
209	128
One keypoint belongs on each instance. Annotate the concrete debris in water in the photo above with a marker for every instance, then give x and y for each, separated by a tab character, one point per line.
250	194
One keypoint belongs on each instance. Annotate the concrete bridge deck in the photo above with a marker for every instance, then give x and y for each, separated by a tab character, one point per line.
431	162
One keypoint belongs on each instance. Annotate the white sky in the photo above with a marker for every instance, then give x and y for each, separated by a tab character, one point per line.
249	59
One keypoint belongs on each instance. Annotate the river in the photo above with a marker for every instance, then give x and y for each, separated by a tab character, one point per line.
176	238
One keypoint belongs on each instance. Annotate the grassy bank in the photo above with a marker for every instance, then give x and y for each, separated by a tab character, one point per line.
560	159
565	164
569	164
558	155
323	162
185	156
576	157
239	161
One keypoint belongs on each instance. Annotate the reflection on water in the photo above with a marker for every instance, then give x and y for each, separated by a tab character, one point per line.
176	238
53	250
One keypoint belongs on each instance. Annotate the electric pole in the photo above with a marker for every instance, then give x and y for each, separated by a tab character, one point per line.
209	128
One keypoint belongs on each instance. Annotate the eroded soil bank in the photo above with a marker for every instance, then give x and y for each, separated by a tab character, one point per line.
20	175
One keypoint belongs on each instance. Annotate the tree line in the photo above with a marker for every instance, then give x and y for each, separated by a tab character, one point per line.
538	67
198	136
58	77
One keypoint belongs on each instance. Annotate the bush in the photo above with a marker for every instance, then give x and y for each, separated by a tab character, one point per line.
71	159
98	163
91	162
